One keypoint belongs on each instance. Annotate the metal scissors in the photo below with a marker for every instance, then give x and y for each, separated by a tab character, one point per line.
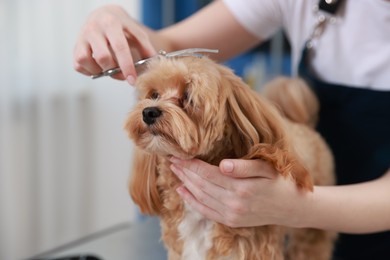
197	52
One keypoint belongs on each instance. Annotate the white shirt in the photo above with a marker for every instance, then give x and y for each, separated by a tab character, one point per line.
354	51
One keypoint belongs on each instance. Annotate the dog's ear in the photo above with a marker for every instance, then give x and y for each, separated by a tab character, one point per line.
142	185
261	131
255	118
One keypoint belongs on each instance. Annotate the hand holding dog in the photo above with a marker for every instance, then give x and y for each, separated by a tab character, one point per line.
242	193
239	193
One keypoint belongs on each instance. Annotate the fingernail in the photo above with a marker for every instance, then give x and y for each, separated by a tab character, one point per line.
173	159
227	166
131	80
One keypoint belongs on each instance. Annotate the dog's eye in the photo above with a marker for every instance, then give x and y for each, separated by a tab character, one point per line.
185	96
184	99
154	95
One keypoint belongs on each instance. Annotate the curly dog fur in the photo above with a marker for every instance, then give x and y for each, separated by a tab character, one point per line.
192	107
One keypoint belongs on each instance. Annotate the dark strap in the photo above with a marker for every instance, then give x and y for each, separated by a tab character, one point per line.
330	6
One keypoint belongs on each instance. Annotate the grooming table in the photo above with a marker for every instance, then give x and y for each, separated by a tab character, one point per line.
140	241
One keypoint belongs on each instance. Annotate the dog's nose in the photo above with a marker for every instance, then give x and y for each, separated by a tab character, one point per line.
150	114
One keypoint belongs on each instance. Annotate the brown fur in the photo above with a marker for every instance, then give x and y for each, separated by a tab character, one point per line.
210	114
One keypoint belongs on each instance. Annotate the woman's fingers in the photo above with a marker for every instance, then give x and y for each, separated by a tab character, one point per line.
108	40
206	193
206	211
204	170
139	37
101	52
247	168
83	61
122	40
238	193
210	200
121	51
204	190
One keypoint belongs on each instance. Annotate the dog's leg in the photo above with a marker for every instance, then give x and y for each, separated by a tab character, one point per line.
309	243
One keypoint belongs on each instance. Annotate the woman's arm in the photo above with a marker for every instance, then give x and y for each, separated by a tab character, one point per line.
357	208
242	193
212	27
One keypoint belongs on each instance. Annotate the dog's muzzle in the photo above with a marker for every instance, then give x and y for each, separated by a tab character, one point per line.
150	114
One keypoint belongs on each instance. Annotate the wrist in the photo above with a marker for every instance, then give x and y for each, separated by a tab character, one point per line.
304	214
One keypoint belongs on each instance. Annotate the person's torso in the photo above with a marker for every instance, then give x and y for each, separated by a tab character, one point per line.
354	50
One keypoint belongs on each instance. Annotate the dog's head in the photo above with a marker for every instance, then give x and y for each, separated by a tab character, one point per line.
188	106
193	107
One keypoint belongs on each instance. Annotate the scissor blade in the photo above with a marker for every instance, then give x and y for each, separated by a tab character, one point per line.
186	52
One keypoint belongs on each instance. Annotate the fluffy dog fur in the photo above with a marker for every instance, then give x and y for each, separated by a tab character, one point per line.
195	108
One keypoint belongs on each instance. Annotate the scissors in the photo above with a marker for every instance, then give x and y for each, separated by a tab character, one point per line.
197	52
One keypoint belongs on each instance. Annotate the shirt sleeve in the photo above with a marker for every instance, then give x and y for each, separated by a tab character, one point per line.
261	18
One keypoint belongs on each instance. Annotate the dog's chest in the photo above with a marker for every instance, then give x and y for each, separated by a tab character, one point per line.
196	232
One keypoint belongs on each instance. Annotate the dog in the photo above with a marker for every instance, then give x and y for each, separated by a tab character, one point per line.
191	107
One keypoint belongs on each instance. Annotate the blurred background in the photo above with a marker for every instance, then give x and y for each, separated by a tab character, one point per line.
64	156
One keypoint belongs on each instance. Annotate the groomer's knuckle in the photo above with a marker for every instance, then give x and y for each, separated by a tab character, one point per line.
77	66
120	46
200	183
237	208
80	57
243	191
209	175
108	21
103	58
77	63
90	28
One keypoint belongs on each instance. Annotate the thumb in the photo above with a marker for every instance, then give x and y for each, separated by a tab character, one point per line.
240	168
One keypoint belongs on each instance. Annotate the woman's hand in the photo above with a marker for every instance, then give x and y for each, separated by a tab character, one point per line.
110	38
239	193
